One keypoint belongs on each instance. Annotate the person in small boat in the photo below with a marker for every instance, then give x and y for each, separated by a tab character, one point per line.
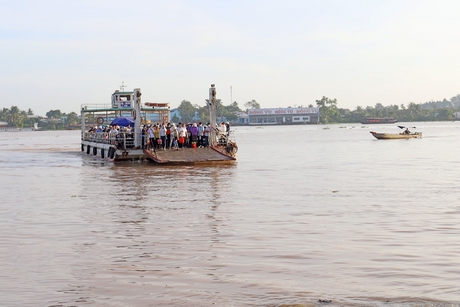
407	131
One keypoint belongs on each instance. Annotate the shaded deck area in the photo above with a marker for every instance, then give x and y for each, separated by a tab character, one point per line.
188	155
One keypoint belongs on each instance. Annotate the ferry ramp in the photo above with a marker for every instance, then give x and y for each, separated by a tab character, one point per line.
187	155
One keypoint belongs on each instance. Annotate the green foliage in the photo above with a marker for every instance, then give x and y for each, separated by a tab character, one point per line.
15	117
72	119
328	111
202	113
54	114
19	118
252	104
413	112
175	119
187	111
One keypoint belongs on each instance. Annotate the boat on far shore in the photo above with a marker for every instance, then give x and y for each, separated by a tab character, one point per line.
378	120
19	129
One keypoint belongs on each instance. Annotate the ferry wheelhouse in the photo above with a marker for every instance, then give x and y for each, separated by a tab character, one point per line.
125	145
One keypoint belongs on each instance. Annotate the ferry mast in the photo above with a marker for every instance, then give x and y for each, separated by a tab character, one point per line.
212	114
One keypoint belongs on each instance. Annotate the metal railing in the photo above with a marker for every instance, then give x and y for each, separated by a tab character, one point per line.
122	140
224	138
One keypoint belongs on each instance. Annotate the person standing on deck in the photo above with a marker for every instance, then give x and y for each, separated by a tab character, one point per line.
151	136
113	135
163	136
188	139
182	135
207	133
144	136
200	134
222	129
156	132
173	136
193	134
168	136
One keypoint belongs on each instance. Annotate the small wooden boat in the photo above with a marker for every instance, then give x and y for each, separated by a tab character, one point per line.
391	136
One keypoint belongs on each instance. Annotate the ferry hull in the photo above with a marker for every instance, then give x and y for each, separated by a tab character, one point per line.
168	156
110	153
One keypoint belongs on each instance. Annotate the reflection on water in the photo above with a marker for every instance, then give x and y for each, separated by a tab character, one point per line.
318	214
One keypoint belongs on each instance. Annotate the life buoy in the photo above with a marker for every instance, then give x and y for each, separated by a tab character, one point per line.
133	113
87	149
102	153
100	120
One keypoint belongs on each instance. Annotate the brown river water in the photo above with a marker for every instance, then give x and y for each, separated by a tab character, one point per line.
307	216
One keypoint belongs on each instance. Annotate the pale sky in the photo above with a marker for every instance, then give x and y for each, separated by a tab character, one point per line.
64	53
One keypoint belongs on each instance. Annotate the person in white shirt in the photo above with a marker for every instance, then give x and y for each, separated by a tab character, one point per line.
222	132
151	136
163	136
182	134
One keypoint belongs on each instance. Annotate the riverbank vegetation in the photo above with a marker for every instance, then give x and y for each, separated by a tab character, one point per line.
443	110
54	119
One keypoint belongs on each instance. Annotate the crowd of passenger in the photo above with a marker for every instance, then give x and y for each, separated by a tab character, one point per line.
162	136
172	136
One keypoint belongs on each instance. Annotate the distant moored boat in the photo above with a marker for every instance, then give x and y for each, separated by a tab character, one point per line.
378	120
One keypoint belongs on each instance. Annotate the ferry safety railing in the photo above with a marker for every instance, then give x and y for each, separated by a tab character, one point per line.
122	140
224	138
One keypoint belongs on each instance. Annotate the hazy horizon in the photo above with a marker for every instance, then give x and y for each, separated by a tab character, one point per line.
59	55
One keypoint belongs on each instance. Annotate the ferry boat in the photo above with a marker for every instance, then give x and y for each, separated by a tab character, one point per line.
378	120
127	109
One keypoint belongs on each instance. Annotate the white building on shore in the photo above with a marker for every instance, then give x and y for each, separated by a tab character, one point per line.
283	116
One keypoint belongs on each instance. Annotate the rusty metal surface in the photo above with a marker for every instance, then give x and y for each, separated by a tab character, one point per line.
187	155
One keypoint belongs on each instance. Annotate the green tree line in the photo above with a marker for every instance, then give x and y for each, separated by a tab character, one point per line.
329	113
188	111
429	111
20	118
